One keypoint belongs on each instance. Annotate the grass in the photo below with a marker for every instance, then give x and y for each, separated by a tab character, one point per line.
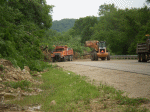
24	84
72	93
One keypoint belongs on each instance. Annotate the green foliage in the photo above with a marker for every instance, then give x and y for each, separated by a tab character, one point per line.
24	84
122	29
22	25
63	25
83	26
56	38
38	65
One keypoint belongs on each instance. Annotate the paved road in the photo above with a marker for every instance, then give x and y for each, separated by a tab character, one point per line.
123	65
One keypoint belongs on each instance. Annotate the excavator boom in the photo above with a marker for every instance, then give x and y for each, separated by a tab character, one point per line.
92	44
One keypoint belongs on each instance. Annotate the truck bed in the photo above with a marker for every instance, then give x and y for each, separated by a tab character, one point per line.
141	48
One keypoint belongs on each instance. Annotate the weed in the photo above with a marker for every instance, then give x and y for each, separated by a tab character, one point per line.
24	84
87	101
135	109
1	67
105	105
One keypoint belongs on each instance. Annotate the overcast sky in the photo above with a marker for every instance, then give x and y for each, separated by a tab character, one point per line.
82	8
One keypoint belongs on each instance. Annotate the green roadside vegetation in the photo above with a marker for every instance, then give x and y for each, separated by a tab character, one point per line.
72	92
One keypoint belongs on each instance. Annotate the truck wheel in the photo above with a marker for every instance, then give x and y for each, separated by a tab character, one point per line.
95	56
108	57
144	58
103	58
64	59
92	56
68	58
53	60
139	57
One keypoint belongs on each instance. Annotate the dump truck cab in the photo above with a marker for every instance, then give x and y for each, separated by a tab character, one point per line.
62	53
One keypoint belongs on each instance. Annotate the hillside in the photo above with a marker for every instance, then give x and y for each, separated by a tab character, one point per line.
63	25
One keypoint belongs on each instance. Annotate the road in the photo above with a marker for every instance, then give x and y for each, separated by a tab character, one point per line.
126	75
123	65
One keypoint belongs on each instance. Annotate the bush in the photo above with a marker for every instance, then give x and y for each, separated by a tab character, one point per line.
37	65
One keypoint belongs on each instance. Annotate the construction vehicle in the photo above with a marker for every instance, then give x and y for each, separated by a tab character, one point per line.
62	53
99	51
143	50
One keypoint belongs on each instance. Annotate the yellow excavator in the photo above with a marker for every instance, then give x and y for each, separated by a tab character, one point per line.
99	51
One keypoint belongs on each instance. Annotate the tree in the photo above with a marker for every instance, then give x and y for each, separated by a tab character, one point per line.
83	26
122	29
22	25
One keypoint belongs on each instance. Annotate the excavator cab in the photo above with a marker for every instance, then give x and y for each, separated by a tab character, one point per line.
102	44
99	50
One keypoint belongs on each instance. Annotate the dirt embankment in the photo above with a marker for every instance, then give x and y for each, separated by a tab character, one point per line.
9	74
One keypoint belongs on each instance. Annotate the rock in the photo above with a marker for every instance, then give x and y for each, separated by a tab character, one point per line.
27	68
9	95
2	99
3	106
11	90
2	93
25	71
18	90
1	89
53	102
5	62
18	69
39	75
1	80
13	108
15	76
36	108
24	94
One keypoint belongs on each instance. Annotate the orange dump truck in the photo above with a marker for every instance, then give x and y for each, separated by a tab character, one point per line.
62	53
99	50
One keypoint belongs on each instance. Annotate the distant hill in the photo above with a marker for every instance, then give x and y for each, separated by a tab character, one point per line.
63	25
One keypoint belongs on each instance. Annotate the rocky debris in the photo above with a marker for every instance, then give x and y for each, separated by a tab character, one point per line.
1	80
27	68
9	73
34	108
53	102
5	62
9	95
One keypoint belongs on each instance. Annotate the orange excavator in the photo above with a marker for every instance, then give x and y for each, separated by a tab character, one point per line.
99	50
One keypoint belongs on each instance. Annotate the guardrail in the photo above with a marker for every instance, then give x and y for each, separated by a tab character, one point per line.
119	56
123	56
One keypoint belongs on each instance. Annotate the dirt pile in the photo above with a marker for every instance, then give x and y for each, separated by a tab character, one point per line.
8	74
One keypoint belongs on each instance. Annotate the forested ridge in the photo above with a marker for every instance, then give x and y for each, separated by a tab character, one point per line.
63	25
25	25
